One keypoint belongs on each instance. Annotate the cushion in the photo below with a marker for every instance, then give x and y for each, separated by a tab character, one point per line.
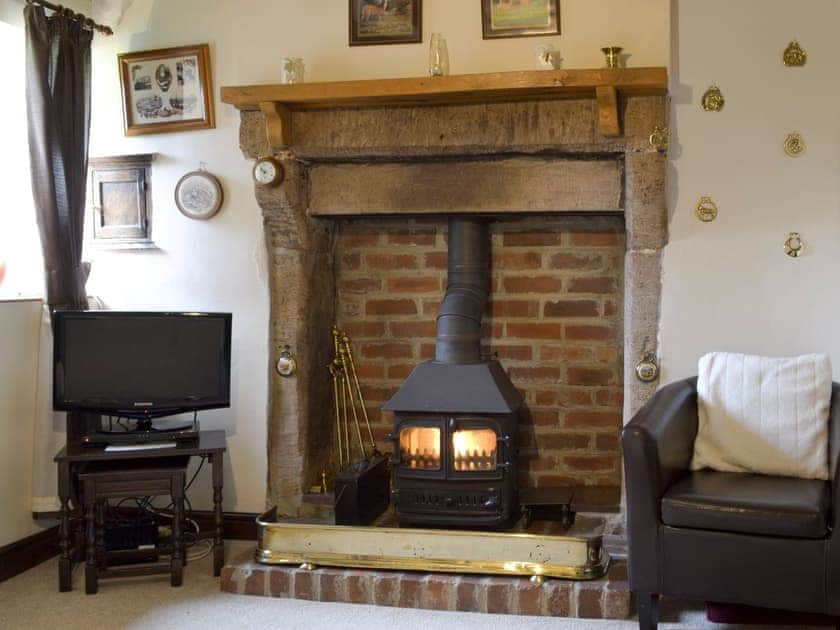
763	415
749	504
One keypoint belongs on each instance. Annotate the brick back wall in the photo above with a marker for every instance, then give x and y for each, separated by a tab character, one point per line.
555	322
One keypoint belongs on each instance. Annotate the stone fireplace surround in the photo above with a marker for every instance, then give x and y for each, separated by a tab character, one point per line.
520	160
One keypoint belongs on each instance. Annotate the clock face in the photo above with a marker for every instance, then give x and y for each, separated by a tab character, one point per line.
268	172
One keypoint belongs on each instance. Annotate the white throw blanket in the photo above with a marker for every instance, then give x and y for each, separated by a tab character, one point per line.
763	415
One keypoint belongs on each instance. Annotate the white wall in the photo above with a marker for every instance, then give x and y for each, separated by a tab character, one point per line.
19	337
221	264
728	284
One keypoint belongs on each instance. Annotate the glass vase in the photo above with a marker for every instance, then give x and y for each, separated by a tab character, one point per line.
438	56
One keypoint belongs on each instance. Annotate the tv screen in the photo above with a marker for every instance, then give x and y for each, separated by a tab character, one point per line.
141	363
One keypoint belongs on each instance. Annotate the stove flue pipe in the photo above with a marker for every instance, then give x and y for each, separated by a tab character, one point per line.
467	291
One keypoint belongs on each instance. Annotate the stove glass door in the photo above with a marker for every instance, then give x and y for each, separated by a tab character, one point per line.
420	447
474	450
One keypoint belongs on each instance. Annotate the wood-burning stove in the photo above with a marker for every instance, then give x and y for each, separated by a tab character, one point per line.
455	418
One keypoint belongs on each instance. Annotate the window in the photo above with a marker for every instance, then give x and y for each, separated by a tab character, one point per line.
20	245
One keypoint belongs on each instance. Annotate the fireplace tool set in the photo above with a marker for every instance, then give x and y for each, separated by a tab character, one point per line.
362	486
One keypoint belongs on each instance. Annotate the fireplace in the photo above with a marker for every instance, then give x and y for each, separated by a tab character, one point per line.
455	418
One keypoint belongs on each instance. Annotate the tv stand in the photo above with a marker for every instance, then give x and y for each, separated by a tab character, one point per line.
143	433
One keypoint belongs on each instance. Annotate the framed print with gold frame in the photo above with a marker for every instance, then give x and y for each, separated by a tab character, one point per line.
519	18
168	89
385	22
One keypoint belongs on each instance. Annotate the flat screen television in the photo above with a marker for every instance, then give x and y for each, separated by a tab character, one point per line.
141	365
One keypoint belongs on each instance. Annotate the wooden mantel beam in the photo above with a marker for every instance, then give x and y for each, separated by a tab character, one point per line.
605	85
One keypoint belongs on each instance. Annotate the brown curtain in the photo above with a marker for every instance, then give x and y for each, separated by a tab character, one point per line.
58	106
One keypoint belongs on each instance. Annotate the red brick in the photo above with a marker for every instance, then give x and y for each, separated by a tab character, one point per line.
576	261
617	604
377	394
413	329
255	583
531	239
494	330
575	397
571	308
516	260
390	307
359	585
609	397
425	237
515	308
466	594
498	596
436	260
410	588
533	284
364	329
391	262
360	285
400	371
530	598
588	333
424	284
608	354
391	350
229	580
589	601
610	308
546	417
438	592
558	598
535	330
592	419
596	239
305	584
356	241
370	370
590	463
386	590
427	351
563	441
511	353
279	582
592	285
331	587
564	353
554	481
546	397
589	376
431	307
541	374
607	442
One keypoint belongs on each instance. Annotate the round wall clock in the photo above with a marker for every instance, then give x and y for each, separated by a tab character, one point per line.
268	171
199	195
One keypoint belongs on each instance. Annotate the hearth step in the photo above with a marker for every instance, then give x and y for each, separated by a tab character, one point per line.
539	549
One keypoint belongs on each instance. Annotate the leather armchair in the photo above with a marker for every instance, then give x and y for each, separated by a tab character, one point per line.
748	539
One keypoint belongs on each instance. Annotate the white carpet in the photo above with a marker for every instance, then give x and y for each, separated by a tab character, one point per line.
32	601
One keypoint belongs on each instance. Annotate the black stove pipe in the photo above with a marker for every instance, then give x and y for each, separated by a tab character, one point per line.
467	291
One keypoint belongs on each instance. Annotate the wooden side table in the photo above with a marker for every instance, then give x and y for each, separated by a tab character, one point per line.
117	480
73	458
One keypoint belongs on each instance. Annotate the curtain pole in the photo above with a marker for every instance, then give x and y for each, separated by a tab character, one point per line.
88	23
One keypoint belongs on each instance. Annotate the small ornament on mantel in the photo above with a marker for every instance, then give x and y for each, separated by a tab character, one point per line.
438	56
794	56
612	55
794	145
546	57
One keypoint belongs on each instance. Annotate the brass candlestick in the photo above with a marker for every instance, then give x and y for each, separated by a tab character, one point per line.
613	56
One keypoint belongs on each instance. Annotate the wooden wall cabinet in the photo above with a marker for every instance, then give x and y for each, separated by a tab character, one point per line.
121	201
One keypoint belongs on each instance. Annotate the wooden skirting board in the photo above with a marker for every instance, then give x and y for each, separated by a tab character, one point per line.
604	85
31	551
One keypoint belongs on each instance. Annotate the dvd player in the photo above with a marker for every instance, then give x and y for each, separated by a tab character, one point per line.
180	432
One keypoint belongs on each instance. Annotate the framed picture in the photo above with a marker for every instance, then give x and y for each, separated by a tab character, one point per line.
385	22
169	89
519	18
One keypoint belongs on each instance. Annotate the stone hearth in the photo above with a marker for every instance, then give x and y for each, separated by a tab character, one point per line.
607	598
541	164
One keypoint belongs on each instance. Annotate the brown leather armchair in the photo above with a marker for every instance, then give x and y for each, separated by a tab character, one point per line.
749	539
